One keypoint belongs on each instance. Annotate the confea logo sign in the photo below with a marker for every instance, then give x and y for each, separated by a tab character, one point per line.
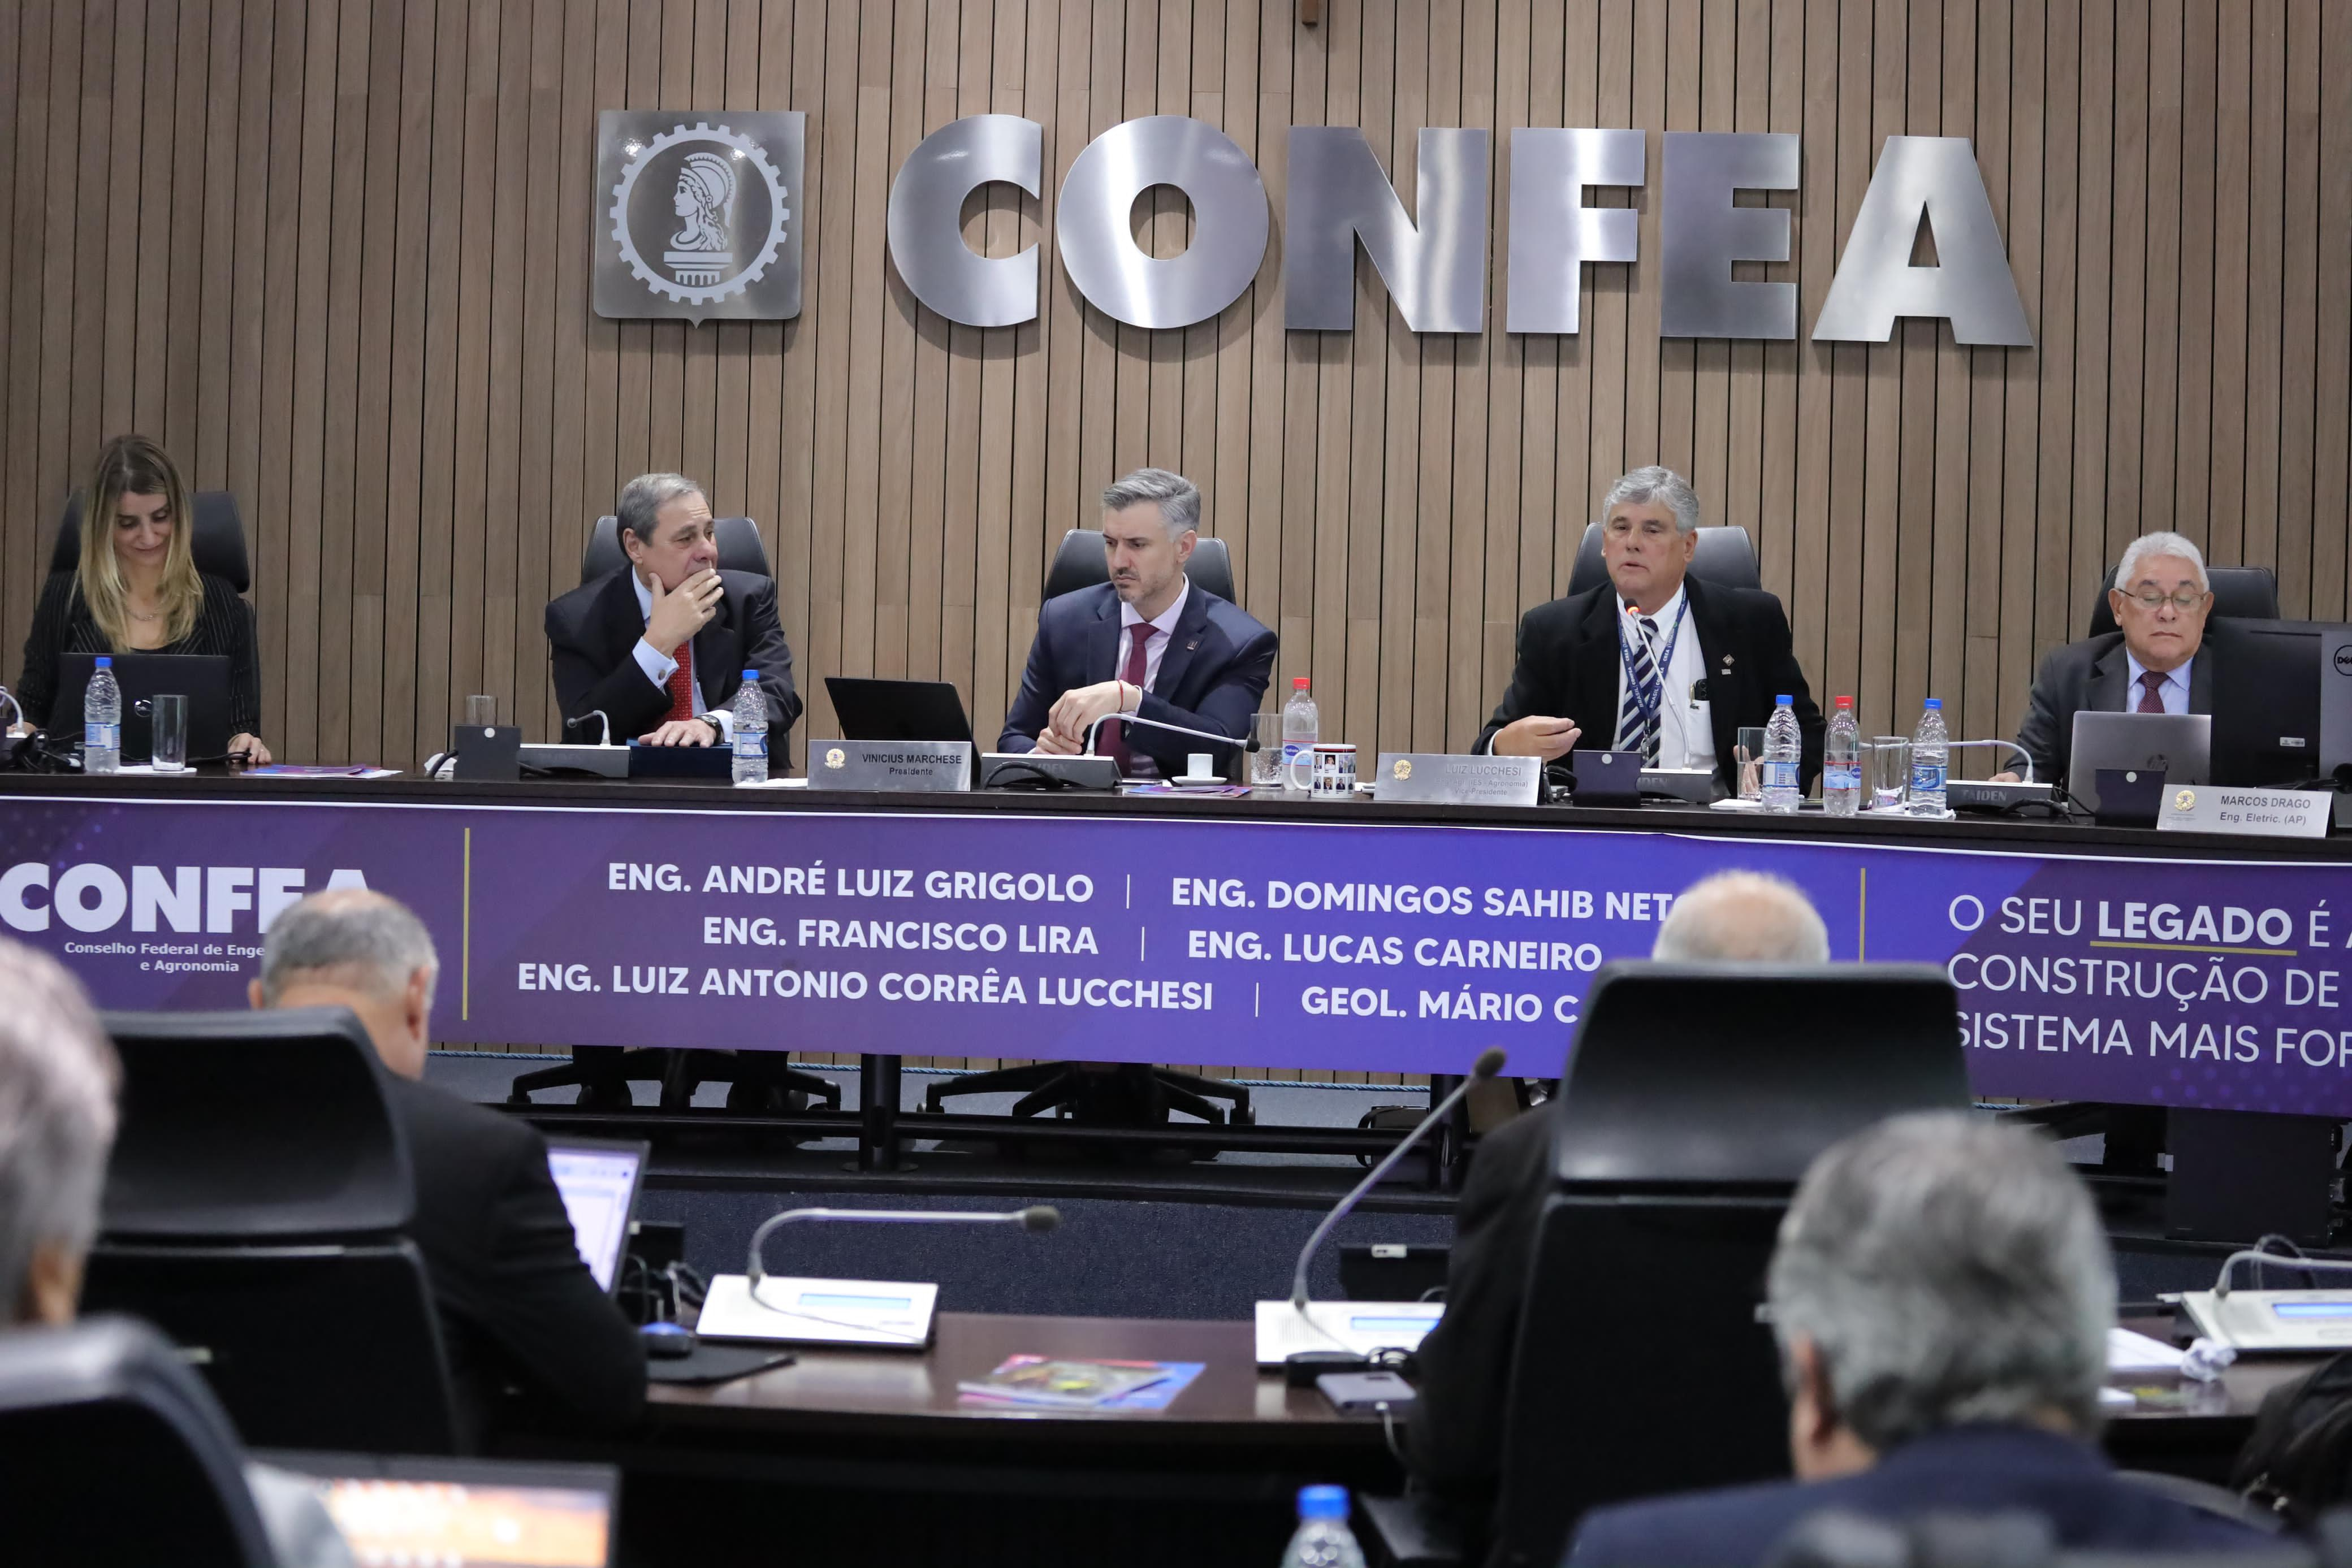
698	218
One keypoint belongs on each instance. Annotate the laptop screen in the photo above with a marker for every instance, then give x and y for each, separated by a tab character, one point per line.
599	1185
464	1513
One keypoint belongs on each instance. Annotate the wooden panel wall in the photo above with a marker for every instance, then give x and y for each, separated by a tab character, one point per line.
334	253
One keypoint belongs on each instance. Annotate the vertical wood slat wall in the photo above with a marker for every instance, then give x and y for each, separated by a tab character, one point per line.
335	253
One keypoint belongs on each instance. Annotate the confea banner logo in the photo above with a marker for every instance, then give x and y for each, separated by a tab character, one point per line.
1342	946
698	215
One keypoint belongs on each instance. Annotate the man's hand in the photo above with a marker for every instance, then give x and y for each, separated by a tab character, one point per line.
1536	735
1055	745
255	754
1078	709
680	612
684	732
2007	776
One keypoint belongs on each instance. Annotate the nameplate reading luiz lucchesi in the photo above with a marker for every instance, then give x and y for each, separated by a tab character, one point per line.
1448	779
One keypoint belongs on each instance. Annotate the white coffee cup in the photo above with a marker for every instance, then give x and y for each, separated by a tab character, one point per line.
1200	765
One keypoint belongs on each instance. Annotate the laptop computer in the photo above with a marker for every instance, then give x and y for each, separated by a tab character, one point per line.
2178	745
598	1179
872	710
201	678
463	1511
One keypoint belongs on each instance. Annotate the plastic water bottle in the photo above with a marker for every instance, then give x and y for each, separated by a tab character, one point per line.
751	730
1783	748
1323	1539
1841	763
101	721
1929	749
1300	723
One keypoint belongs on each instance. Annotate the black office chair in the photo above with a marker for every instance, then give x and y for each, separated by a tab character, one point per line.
1726	556
740	548
112	1451
1693	1098
1080	562
254	1207
2249	592
217	544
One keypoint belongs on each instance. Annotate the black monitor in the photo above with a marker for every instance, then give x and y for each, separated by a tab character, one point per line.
2266	704
201	678
872	710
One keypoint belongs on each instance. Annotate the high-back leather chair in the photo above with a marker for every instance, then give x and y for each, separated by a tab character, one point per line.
2249	592
217	543
740	548
1079	562
1725	556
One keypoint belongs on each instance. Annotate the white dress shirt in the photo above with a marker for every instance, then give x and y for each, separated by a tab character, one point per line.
660	666
1155	647
2174	689
1685	729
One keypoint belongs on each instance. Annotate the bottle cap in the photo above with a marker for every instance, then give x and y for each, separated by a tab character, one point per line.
1322	1503
1785	701
1845	702
104	662
1936	702
1298	683
750	675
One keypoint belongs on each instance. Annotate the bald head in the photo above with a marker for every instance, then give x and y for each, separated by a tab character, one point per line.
1742	918
351	947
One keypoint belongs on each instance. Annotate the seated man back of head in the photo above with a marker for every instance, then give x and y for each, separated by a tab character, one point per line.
1941	1293
1453	1443
517	1304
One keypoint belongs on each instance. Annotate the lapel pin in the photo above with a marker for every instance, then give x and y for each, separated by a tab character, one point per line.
1192	645
1727	661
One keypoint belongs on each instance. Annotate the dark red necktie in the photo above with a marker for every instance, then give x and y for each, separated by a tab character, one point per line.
2151	696
681	685
1137	663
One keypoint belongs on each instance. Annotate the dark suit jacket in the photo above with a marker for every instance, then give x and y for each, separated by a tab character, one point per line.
1211	675
62	623
1964	1469
2094	675
1568	667
1454	1438
589	631
517	1304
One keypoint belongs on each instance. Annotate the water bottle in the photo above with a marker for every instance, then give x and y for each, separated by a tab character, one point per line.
1299	724
1784	747
1841	763
1323	1539
1929	747
101	721
750	730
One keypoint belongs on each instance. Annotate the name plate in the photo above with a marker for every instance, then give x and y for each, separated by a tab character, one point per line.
914	765
1452	778
2265	813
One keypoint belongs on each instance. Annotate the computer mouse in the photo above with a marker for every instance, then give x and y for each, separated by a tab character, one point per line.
666	1341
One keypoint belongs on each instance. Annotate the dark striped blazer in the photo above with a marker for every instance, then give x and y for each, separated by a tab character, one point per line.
62	623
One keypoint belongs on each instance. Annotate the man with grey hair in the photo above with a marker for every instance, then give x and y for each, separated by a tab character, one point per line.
1148	642
2159	659
1654	661
1941	1294
1453	1443
518	1306
660	644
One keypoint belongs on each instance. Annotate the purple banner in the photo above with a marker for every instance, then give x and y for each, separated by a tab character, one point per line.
1347	946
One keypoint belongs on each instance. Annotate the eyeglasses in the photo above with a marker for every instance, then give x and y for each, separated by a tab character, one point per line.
2186	599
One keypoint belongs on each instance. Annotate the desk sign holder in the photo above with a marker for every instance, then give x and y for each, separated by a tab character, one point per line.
915	766
1357	1327
1448	779
2261	813
885	1314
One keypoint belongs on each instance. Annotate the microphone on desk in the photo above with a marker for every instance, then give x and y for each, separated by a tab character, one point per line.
1489	1063
1246	743
1037	1216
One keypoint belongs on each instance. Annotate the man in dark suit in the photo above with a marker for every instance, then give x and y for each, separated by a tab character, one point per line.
1941	1293
1657	661
659	646
2159	660
517	1304
1454	1437
1147	643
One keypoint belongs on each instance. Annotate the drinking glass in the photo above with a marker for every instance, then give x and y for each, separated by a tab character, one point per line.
167	718
482	712
1890	771
1265	762
1749	753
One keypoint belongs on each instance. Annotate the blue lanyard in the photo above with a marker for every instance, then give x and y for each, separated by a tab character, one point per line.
1651	700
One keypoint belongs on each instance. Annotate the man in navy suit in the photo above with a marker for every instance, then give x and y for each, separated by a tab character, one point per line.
1941	1292
1148	642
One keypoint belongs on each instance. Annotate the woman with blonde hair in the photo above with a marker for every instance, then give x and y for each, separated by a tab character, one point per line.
137	591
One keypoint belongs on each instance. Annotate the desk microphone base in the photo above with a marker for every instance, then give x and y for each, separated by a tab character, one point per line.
878	1314
1359	1327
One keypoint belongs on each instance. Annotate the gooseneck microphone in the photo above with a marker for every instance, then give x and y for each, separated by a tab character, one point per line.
1249	744
1489	1063
1037	1217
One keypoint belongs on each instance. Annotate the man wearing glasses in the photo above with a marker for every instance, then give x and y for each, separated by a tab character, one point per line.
2160	662
1656	662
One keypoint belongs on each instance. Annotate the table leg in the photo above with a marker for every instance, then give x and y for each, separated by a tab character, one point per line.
1448	1137
878	1113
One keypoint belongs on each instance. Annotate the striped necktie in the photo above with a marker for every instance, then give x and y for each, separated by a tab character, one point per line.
1637	724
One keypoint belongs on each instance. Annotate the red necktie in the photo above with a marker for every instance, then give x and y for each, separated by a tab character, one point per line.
2151	696
681	685
1137	662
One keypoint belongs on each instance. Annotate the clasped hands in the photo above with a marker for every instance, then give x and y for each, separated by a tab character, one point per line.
1064	734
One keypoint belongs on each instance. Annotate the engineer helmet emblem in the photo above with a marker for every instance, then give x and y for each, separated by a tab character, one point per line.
1402	767
834	757
698	217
